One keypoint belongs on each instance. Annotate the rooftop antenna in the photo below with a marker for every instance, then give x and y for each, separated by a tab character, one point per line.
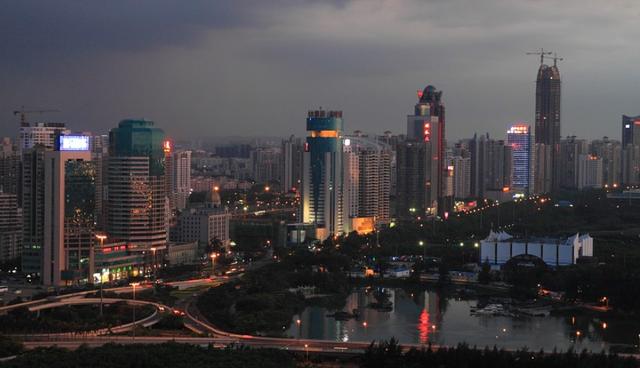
542	53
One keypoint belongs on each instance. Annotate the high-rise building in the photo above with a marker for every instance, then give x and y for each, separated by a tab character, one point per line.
69	212
427	126
33	208
589	171
631	164
323	182
44	134
368	172
542	170
611	153
461	176
490	165
547	118
266	163
292	152
99	156
10	227
181	163
136	185
412	181
630	130
520	138
9	167
570	151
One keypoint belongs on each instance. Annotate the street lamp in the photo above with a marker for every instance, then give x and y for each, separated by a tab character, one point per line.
299	323
92	261
153	263
133	285
421	243
306	350
213	261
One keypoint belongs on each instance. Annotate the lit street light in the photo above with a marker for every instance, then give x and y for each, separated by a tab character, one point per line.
92	261
133	285
213	261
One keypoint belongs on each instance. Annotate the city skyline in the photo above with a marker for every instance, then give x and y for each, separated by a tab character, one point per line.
170	69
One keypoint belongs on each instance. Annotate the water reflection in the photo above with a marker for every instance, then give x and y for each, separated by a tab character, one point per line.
426	316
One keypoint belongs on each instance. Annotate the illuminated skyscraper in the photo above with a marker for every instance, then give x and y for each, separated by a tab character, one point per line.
520	139
69	212
323	190
136	185
426	127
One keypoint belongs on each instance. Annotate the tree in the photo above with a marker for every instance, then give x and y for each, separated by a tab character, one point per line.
484	277
443	273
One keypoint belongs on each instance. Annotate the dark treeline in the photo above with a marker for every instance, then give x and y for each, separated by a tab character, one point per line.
169	355
389	354
380	355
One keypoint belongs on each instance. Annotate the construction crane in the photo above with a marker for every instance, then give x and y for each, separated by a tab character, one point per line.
23	113
542	54
555	59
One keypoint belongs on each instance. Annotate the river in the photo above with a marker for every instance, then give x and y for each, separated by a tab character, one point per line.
427	316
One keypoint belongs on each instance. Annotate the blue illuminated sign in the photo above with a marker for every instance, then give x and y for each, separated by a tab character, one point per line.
74	143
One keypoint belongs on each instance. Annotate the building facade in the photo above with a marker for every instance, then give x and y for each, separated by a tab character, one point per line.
498	248
136	185
10	227
547	118
368	171
69	212
520	139
427	125
323	181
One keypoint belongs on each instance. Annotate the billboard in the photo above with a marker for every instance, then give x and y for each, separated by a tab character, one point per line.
74	143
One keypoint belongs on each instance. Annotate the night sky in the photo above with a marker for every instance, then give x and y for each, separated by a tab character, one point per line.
217	68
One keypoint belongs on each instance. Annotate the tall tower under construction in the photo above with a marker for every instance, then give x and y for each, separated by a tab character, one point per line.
547	122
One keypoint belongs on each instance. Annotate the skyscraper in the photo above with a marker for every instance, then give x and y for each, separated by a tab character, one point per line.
69	212
611	153
630	130
323	191
520	138
10	227
547	117
589	171
292	151
427	127
33	208
368	171
181	163
490	165
9	167
568	163
44	134
136	185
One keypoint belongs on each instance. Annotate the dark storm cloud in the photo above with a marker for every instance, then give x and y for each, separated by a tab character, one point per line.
238	67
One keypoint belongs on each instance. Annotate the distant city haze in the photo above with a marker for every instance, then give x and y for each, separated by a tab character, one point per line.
254	68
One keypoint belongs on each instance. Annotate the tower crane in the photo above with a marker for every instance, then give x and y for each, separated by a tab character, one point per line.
542	54
23	113
555	59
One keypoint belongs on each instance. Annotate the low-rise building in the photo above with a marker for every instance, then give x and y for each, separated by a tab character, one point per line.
499	247
182	253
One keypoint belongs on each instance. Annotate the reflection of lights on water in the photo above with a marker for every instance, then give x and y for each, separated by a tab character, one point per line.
423	327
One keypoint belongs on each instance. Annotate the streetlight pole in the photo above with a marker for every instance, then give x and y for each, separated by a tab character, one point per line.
213	261
100	237
153	263
133	285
